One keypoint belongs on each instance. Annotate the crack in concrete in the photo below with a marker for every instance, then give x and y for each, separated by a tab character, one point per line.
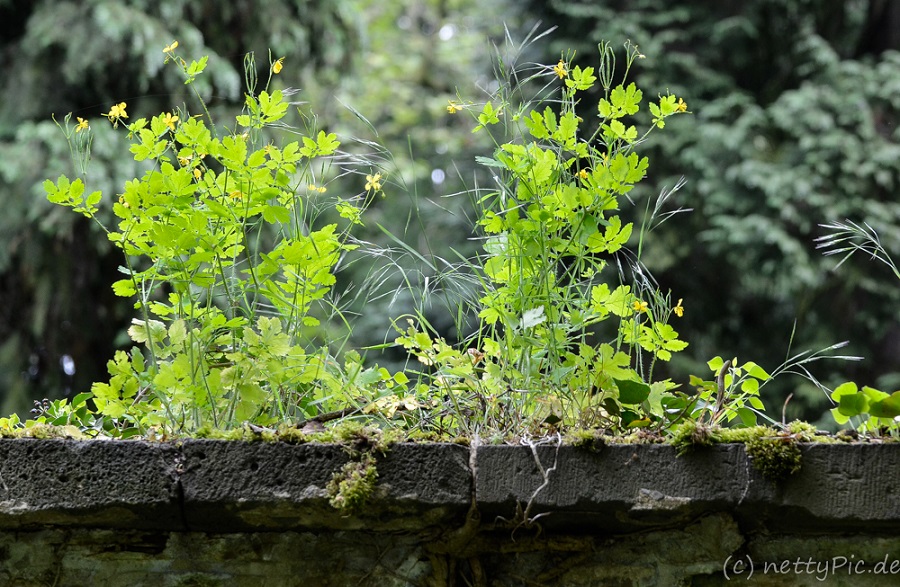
178	489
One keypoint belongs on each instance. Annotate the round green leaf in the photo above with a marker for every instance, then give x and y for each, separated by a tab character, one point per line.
886	408
632	392
853	404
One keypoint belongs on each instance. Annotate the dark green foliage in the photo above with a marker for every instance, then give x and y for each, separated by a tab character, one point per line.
795	108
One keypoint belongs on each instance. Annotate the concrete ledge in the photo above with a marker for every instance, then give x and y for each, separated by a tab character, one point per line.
624	488
224	486
93	484
229	486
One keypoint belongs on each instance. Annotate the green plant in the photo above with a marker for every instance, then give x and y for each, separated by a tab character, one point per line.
564	338
733	394
231	250
733	397
869	409
782	143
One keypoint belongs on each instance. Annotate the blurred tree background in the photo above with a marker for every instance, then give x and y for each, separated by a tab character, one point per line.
794	104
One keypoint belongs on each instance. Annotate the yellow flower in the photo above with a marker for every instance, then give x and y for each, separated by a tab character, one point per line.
170	48
170	120
373	182
639	306
183	161
583	174
453	108
315	188
679	309
276	67
197	173
116	113
682	106
82	124
560	69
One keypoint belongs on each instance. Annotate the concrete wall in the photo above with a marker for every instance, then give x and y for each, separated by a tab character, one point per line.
204	513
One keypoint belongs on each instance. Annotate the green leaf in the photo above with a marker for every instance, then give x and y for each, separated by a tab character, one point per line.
616	235
272	107
534	122
638	423
627	99
872	394
750	385
137	361
667	106
177	332
488	116
839	417
632	392
64	192
747	416
853	404
847	388
755	370
124	288
581	79
251	397
700	383
257	158
195	69
599	296
715	364
327	143
619	301
276	342
612	364
888	407
276	214
81	399
566	134
218	209
232	152
489	315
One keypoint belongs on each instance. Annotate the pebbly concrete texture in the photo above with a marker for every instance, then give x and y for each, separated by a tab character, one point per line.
625	488
230	486
204	513
100	483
